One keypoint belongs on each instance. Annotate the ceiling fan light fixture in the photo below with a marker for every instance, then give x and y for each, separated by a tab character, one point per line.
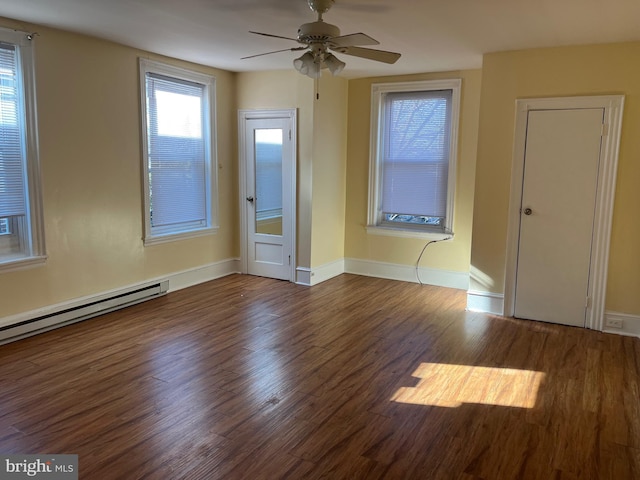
314	70
307	65
334	65
301	64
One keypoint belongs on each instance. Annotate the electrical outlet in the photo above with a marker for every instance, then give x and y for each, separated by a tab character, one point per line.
614	323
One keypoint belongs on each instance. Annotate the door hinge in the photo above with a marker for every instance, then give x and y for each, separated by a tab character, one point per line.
289	134
587	303
605	130
289	259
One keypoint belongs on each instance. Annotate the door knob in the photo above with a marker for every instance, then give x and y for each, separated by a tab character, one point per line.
250	199
527	211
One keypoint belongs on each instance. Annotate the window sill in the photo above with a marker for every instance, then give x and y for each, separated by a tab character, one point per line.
21	263
171	237
407	233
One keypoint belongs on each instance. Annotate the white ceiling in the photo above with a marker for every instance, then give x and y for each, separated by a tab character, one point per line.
432	35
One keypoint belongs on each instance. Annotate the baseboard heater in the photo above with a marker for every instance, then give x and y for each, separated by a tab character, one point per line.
90	307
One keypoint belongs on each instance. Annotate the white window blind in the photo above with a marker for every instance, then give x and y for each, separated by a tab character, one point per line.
21	214
13	200
415	152
177	153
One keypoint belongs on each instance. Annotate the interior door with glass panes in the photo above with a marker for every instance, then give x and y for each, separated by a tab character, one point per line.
269	192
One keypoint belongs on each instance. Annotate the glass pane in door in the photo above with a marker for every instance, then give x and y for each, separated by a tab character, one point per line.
268	157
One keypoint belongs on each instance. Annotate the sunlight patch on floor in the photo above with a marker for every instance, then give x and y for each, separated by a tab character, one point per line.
445	385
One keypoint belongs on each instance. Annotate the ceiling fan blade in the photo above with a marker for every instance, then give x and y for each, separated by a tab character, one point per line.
353	40
275	51
274	36
371	54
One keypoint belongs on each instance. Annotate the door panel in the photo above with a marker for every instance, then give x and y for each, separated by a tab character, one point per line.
269	169
557	214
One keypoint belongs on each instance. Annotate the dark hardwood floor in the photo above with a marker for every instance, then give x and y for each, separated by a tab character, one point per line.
355	378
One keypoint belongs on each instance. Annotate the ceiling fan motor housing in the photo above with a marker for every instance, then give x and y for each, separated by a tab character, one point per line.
317	32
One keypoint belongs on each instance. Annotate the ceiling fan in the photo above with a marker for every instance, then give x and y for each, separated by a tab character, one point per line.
320	39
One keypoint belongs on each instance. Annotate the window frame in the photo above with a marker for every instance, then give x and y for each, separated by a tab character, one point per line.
375	224
34	219
161	235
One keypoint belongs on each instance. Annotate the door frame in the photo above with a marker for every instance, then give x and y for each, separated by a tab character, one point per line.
605	193
243	116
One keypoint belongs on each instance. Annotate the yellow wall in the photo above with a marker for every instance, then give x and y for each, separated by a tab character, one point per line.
565	71
90	154
329	170
451	256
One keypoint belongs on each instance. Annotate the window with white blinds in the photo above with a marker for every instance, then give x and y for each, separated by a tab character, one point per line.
13	195
178	152
21	230
413	159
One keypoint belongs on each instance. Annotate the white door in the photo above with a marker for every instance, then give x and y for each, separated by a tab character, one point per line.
561	164
268	191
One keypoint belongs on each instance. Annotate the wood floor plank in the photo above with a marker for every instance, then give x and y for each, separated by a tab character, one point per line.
355	378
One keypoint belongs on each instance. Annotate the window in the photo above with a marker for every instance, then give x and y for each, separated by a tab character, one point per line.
178	165
413	157
21	224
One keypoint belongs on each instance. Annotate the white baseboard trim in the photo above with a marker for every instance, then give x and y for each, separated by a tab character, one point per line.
204	273
327	271
630	323
303	276
407	273
485	302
